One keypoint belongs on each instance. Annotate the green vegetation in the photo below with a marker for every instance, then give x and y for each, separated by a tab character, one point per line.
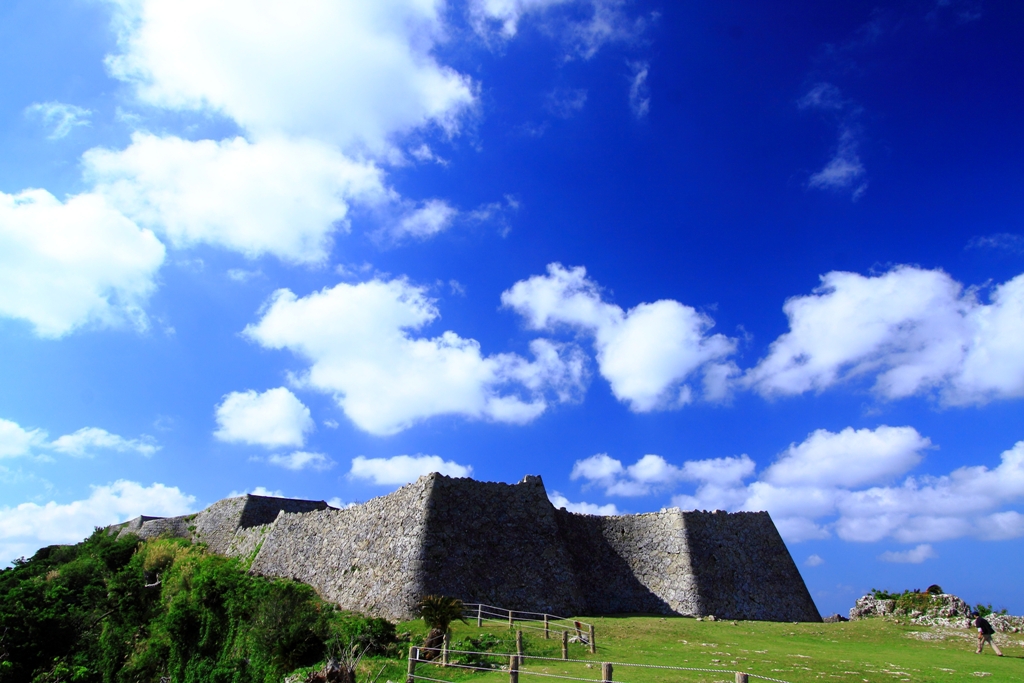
910	601
120	610
438	613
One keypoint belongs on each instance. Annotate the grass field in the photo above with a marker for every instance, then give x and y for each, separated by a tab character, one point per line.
861	651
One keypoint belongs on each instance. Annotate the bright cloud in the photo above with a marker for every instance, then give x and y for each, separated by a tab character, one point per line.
817	488
15	440
560	501
347	73
639	93
647	353
274	419
913	330
277	196
359	342
814	561
402	469
844	171
652	473
913	556
88	439
849	458
61	118
66	265
435	216
302	460
28	526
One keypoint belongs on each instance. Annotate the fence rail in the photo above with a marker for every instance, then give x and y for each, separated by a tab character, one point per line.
584	632
517	661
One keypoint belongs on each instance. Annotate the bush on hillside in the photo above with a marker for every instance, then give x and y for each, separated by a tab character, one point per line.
115	610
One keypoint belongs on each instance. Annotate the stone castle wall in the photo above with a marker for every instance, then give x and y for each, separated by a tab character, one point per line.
506	545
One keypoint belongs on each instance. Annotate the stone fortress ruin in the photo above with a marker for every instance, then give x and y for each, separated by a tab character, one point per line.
507	545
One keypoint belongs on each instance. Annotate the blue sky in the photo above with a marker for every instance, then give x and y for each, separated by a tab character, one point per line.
713	255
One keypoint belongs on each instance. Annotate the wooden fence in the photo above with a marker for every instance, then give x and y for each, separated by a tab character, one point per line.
538	621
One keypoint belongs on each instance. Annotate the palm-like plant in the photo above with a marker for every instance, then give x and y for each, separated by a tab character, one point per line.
438	613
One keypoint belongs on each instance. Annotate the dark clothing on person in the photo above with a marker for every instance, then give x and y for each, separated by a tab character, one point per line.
981	623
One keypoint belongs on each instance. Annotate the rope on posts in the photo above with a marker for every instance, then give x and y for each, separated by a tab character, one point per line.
606	673
414	655
593	642
513	669
565	645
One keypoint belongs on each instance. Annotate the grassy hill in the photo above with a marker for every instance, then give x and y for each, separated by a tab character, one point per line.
117	610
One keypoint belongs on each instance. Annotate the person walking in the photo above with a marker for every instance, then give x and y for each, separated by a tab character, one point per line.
985	632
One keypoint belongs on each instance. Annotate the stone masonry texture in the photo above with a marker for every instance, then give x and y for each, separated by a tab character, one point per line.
505	545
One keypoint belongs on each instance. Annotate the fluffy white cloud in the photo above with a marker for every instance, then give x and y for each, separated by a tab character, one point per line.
913	556
61	118
814	561
349	73
652	473
65	265
850	458
436	215
816	489
359	342
402	469
914	330
277	196
15	440
88	439
560	501
274	419
28	526
301	460
647	353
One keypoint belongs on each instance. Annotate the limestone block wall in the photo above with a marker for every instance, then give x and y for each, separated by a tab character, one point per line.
506	545
367	558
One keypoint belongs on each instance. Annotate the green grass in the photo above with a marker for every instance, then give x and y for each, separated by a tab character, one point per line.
869	650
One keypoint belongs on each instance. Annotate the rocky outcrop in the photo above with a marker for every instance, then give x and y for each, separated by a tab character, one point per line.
506	545
942	609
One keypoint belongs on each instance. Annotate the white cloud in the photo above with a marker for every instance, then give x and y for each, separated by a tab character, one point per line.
28	526
814	561
652	473
302	460
66	265
844	169
359	343
15	441
817	488
850	458
647	353
402	469
347	73
584	25
914	330
822	96
281	197
560	501
61	118
639	93
913	556
274	419
88	439
433	217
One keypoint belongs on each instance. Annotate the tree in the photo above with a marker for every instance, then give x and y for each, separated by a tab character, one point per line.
438	613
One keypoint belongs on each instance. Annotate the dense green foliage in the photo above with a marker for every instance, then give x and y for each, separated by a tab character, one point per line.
910	601
117	610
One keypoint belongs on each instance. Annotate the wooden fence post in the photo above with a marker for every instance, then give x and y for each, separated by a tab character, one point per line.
479	616
606	673
565	645
519	646
414	654
741	677
593	643
513	669
444	649
510	620
547	633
